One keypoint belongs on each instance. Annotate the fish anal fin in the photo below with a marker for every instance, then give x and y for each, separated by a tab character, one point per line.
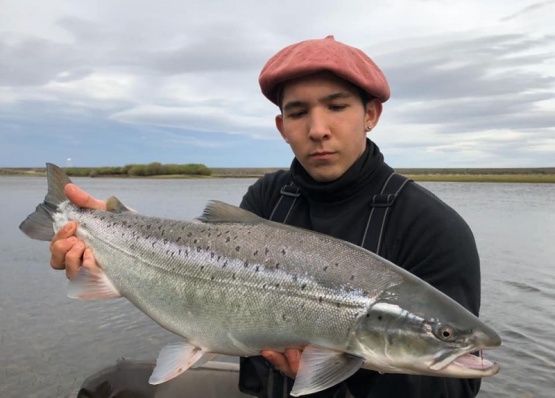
173	360
91	284
321	368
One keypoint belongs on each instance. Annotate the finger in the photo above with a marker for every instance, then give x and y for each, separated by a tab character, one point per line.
65	232
59	250
294	358
279	361
89	260
83	199
74	259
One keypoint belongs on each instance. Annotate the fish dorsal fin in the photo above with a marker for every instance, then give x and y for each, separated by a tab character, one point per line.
321	368
114	205
220	212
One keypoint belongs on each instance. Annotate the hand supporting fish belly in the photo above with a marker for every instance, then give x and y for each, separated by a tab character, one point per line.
233	283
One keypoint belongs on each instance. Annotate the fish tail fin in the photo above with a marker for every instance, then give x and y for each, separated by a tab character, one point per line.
39	225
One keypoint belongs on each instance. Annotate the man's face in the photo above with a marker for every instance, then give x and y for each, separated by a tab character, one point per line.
324	121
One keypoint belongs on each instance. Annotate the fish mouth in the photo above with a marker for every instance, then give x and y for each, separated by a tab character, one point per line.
465	365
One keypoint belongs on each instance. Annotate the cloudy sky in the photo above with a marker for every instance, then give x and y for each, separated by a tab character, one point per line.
176	81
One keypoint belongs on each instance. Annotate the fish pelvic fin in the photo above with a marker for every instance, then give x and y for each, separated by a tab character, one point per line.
39	225
175	359
321	368
91	284
221	212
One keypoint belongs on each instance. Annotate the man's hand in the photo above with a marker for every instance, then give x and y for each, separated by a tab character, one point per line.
287	363
68	252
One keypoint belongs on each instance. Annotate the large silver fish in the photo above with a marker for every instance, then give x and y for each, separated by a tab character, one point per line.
233	283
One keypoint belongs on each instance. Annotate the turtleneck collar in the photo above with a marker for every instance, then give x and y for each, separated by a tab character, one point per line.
359	175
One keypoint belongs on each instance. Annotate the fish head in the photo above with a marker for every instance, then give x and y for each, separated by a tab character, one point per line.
416	330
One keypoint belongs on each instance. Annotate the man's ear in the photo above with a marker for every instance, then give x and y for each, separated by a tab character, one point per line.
373	113
279	126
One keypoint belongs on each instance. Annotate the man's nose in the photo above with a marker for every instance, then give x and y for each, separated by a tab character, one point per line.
318	126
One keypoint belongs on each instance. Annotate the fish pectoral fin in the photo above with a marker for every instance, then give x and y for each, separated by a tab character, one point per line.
90	284
321	368
173	360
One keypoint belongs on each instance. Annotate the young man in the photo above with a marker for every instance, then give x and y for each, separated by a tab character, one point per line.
330	96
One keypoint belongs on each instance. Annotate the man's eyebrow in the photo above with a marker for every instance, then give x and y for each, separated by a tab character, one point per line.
327	98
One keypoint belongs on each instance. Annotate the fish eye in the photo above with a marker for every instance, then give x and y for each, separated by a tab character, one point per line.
446	333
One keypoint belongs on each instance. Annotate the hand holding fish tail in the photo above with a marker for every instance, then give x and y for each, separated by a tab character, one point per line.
287	363
66	250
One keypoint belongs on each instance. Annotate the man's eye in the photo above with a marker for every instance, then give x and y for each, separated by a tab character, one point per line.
296	114
337	107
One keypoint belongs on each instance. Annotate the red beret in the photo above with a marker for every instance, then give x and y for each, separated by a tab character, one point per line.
311	56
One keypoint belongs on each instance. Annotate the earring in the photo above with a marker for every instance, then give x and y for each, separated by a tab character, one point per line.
368	128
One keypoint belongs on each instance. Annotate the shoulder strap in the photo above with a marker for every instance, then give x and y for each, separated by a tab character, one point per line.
289	195
380	206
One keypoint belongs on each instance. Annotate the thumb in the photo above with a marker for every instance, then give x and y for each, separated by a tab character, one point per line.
83	199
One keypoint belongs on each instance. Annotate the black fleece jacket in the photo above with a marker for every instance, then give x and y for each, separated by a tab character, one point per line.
423	235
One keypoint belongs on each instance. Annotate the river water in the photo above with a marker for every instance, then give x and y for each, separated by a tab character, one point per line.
49	343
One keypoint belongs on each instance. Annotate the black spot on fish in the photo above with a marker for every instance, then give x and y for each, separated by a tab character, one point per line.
338	305
325	268
178	239
256	269
277	265
266	251
153	244
264	286
283	317
202	267
233	276
320	299
367	315
179	252
220	234
379	317
195	241
237	248
102	218
337	264
212	255
189	234
303	286
255	253
352	277
199	249
207	248
148	226
227	239
295	278
283	251
225	263
246	264
212	278
277	285
219	257
165	241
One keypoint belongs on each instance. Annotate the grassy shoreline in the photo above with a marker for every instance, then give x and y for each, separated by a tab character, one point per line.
505	175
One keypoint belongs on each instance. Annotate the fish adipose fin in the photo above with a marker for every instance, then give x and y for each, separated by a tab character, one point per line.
39	225
220	212
90	284
173	360
115	206
321	368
